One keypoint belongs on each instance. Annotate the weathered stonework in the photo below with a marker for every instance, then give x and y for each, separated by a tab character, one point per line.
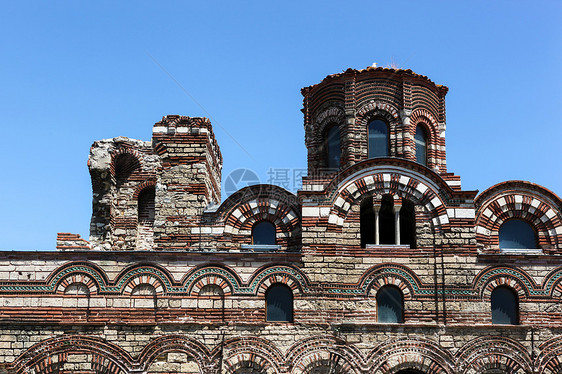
173	281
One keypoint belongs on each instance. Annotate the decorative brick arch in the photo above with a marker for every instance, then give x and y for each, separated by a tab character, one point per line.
425	118
194	350
92	276
214	280
373	110
107	357
517	279
549	360
263	202
253	352
126	150
493	352
290	276
419	354
391	275
332	114
144	279
222	276
151	183
137	274
522	200
80	278
552	283
329	351
383	180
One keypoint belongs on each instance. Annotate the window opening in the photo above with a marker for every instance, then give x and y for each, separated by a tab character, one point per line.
378	139
387	221
408	224
421	145
517	234
504	306
263	233
367	222
279	303
333	149
390	305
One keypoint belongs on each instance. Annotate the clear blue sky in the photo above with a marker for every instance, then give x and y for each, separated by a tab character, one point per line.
73	72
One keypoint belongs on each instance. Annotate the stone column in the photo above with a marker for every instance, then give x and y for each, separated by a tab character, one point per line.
397	224
377	240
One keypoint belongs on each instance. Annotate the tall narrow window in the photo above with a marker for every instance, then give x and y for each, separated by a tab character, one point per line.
367	222
146	206
333	149
421	145
390	305
279	303
517	234
263	233
408	224
387	233
505	308
145	219
378	139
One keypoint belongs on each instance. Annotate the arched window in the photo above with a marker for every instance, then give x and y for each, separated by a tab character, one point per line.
124	165
367	222
387	224
408	224
263	233
378	139
505	308
421	145
517	234
279	303
390	305
332	147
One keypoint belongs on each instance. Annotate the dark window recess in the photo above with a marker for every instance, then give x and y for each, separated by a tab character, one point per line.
124	165
505	308
279	303
333	149
387	221
408	224
390	305
378	139
146	206
367	222
517	234
263	233
421	145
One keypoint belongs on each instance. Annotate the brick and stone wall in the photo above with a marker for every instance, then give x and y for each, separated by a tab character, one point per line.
171	281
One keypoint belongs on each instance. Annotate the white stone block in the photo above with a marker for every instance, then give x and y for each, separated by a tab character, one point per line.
308	211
